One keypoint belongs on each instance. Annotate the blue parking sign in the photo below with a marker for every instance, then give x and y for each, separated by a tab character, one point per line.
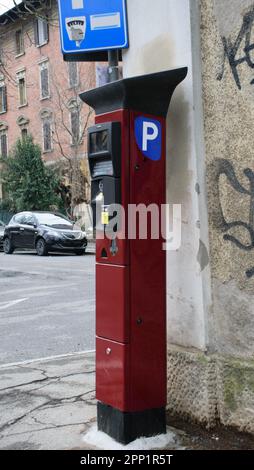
92	25
148	134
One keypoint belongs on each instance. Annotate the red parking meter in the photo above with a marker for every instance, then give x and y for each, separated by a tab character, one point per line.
127	151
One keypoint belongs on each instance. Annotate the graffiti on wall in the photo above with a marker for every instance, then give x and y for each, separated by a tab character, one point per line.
239	52
222	166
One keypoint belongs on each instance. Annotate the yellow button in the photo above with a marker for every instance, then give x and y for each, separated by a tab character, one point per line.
104	218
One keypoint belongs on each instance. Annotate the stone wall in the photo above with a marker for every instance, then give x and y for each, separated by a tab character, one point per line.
209	388
219	385
227	43
210	172
227	38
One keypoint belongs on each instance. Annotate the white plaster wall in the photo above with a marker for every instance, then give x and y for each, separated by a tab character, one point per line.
162	33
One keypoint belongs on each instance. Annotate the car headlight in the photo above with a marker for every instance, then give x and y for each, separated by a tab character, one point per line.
54	234
80	235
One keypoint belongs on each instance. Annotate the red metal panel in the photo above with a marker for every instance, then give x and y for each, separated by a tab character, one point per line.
112	373
102	244
112	306
133	376
147	285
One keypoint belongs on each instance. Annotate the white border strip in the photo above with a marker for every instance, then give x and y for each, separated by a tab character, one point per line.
45	359
105	21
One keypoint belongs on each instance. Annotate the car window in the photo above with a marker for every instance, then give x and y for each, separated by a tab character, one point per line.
28	219
53	220
18	219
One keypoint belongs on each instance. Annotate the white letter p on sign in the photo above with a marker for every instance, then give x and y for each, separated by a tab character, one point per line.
149	136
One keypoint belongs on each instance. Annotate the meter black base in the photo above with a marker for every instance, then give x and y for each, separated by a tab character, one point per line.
125	427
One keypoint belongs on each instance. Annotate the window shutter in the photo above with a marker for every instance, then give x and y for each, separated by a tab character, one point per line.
22	91
75	126
24	133
4	91
1	100
102	75
17	37
47	135
19	42
36	33
45	30
44	82
3	145
73	74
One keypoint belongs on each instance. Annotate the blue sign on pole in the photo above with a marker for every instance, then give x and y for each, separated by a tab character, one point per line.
93	25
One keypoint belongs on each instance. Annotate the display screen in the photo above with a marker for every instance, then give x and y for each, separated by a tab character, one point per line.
99	142
102	168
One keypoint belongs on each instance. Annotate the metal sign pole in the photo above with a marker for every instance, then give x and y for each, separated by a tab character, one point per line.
113	70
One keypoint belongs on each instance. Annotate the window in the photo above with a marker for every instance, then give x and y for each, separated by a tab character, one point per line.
22	91
44	80
3	145
74	109
19	42
47	135
75	126
46	116
3	98
23	134
22	88
73	74
41	31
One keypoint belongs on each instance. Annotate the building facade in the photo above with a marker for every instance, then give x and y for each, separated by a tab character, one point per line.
210	172
39	92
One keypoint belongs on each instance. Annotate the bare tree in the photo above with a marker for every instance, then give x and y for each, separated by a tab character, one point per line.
71	121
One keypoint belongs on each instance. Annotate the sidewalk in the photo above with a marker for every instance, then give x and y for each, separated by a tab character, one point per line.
49	404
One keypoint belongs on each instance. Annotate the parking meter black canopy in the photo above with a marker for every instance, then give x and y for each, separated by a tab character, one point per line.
149	94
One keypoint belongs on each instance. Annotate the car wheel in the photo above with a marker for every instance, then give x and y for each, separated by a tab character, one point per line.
8	246
80	252
41	247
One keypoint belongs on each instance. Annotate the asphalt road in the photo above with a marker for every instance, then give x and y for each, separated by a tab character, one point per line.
46	305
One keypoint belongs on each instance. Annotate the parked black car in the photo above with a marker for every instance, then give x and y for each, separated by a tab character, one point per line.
44	231
2	225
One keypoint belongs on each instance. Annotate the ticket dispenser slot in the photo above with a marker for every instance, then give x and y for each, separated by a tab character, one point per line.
104	155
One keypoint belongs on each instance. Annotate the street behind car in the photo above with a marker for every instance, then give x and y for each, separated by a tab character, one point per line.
46	305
